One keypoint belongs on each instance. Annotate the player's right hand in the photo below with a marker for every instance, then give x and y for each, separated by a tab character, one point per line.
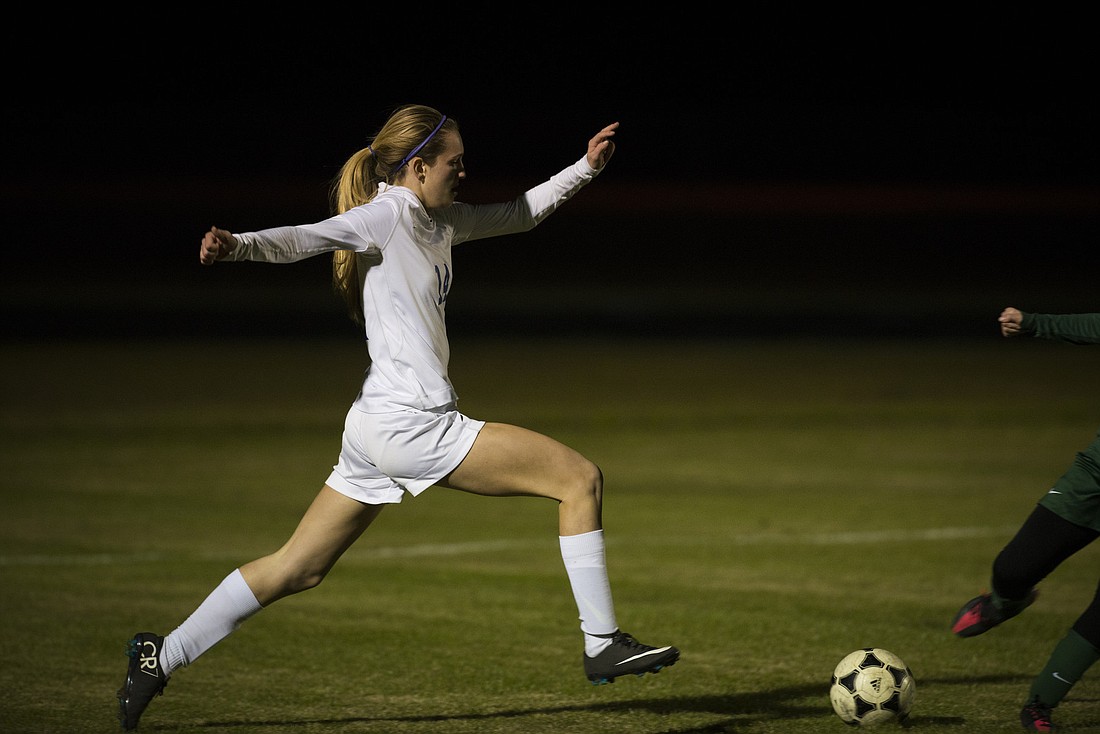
216	244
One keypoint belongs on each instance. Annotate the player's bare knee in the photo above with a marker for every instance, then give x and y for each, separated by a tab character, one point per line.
597	484
303	580
586	483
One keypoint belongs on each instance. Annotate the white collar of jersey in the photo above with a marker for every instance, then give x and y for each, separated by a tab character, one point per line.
385	188
417	208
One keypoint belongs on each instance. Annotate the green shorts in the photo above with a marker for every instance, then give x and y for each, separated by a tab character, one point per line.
1075	497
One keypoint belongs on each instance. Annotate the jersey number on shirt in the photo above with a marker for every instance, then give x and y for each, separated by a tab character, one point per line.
444	280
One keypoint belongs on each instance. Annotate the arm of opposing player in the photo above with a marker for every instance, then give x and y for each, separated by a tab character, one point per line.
1077	328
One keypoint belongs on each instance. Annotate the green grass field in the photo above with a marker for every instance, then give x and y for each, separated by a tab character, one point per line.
770	507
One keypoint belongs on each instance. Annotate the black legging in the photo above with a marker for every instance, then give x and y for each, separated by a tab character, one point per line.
1042	543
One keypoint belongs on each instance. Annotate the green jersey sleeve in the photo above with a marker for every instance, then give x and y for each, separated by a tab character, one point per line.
1077	328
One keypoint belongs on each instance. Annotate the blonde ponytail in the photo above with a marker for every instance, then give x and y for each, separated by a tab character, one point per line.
354	186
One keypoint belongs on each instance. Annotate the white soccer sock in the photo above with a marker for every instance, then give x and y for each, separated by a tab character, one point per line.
223	611
586	564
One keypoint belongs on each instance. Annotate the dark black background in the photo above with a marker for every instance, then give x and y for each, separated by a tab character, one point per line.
837	172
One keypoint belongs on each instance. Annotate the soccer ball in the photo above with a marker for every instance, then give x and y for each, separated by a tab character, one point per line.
872	686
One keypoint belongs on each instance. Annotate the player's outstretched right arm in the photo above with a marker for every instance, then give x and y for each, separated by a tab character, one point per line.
1075	328
216	244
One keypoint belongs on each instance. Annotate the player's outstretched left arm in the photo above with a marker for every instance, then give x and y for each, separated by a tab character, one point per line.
601	147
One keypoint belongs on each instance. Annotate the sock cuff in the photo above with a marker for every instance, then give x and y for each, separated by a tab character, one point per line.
582	544
1079	641
244	601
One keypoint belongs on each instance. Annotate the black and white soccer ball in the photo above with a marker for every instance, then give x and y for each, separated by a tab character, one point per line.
872	686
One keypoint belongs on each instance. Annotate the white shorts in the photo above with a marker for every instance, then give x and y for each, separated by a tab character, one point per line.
383	455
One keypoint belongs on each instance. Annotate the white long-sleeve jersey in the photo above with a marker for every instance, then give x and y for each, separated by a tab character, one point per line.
404	259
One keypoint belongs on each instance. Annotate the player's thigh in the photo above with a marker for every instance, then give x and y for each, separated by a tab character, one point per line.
331	524
511	460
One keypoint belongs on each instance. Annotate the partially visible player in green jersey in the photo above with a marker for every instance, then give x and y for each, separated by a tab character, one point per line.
1066	519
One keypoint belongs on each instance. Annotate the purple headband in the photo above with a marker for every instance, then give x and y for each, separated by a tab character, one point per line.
416	150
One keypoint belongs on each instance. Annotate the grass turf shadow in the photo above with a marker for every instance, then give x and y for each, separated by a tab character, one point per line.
743	709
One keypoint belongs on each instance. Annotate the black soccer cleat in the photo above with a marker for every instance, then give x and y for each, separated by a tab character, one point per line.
626	656
144	678
980	614
1035	716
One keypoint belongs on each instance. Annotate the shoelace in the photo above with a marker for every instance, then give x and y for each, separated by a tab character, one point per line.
627	641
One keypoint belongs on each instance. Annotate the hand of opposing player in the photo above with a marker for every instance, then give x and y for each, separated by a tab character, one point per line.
1010	321
216	244
601	147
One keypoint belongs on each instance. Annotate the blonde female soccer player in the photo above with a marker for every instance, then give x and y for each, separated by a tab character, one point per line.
391	245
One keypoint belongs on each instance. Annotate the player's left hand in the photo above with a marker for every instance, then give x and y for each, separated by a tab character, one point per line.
601	147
